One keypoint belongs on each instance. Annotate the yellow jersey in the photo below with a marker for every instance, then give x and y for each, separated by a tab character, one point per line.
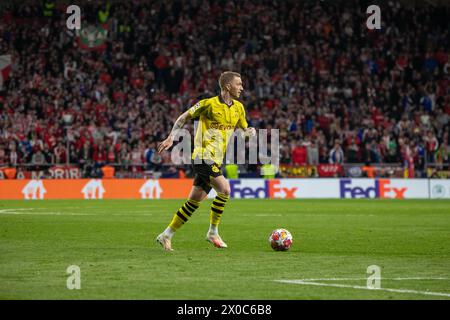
217	122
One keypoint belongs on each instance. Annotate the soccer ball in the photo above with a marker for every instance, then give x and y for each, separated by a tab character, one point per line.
280	240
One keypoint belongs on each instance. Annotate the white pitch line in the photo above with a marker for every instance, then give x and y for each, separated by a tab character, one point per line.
132	213
13	210
383	278
61	213
442	294
261	215
48	213
29	211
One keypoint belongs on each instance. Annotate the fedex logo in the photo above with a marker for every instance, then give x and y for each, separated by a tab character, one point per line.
382	189
271	189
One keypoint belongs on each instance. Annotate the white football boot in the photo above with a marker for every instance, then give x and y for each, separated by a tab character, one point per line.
216	240
164	241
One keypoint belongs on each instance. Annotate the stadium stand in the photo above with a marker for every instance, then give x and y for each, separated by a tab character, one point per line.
338	92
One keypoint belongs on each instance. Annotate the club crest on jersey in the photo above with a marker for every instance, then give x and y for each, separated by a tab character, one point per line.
214	168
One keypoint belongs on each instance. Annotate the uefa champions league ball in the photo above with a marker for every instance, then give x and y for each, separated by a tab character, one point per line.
280	240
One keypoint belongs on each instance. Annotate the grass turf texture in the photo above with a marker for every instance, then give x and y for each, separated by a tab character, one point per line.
113	242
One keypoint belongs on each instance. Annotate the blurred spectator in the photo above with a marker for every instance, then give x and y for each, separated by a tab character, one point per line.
299	154
336	153
431	145
100	156
3	157
312	152
353	151
148	154
38	160
60	154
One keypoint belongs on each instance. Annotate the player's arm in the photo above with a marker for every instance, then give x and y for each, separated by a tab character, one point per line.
179	124
193	112
242	123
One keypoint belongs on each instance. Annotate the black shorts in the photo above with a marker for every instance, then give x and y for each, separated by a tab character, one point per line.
203	173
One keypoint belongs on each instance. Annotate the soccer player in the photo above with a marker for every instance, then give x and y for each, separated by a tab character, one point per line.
220	115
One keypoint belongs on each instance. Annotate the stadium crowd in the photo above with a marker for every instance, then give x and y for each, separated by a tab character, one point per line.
337	91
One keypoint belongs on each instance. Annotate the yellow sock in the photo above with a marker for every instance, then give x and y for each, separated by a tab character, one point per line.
183	214
217	208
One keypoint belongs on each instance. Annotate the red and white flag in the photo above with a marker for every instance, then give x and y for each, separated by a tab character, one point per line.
5	68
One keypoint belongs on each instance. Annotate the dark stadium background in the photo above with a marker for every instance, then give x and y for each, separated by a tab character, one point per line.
338	92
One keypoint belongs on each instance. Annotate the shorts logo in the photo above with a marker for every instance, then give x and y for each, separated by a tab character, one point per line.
215	168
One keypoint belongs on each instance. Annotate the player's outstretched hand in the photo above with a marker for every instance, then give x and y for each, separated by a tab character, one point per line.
250	132
164	145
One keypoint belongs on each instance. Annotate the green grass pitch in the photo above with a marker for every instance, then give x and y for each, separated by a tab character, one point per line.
113	243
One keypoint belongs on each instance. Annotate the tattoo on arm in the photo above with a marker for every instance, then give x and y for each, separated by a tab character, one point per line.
179	124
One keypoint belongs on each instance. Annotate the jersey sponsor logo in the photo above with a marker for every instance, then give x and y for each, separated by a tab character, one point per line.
381	189
218	126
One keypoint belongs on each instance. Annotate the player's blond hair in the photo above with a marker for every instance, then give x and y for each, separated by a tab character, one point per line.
226	77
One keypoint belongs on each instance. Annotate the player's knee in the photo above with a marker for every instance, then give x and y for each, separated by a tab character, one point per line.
226	191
